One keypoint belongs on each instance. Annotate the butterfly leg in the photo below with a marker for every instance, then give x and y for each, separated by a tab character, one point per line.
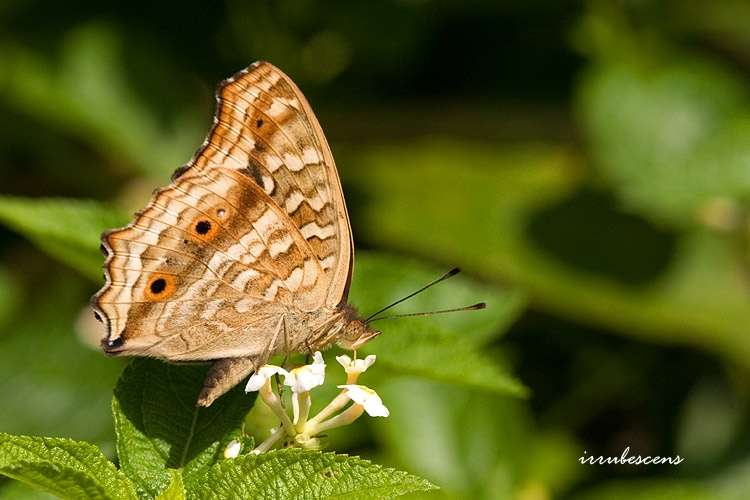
223	375
284	362
287	348
226	373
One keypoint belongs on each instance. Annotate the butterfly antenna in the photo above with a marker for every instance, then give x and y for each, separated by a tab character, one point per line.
444	277
473	307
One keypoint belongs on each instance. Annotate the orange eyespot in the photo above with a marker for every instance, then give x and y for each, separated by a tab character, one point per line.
204	228
160	287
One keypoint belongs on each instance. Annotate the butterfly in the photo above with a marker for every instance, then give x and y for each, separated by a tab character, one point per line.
246	254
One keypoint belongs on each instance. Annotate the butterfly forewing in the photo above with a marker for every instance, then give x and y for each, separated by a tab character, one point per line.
265	128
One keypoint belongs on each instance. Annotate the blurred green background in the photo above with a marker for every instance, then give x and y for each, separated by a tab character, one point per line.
586	163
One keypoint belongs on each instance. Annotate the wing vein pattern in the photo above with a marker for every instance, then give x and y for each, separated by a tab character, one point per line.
251	229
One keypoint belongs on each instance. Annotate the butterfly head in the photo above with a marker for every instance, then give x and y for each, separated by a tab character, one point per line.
356	333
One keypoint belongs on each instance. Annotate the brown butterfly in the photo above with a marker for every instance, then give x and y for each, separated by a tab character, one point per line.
246	254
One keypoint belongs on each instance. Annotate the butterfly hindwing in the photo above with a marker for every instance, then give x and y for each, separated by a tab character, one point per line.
211	261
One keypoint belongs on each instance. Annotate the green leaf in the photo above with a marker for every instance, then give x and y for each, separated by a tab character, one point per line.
70	469
42	395
670	137
481	221
295	473
381	279
733	481
415	348
10	294
444	347
67	229
16	490
648	489
175	490
83	90
159	427
488	446
466	441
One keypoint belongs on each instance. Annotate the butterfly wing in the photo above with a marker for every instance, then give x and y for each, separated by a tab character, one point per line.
254	224
265	128
205	271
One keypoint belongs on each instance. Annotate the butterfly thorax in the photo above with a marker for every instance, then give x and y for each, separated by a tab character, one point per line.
320	329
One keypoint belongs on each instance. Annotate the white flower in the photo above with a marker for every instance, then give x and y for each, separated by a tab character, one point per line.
262	376
357	365
306	377
233	449
366	397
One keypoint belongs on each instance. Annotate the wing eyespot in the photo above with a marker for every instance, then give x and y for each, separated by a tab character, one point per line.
203	229
160	287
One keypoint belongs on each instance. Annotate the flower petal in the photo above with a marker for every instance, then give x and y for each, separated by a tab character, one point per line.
357	366
362	365
307	377
261	377
233	449
366	397
318	358
375	408
344	360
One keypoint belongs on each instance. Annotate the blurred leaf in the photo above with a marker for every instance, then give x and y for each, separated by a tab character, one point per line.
649	489
305	474
421	346
380	279
550	465
10	295
413	348
159	427
86	93
732	482
480	203
50	383
16	490
721	24
669	137
424	434
709	422
71	469
67	229
473	444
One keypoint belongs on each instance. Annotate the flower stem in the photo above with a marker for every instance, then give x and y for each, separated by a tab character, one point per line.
303	410
338	403
345	418
270	441
273	402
